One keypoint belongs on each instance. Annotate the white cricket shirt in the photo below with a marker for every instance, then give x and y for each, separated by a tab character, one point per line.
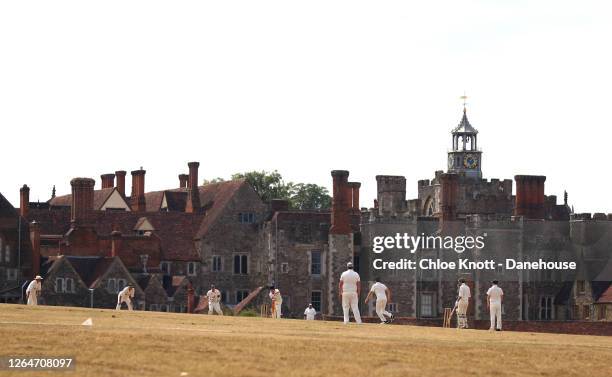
380	290
350	279
495	294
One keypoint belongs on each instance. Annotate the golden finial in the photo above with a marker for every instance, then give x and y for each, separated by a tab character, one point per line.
464	98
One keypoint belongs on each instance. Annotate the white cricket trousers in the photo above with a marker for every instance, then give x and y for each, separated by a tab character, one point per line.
127	301
495	310
32	299
350	300
462	307
214	306
277	310
381	303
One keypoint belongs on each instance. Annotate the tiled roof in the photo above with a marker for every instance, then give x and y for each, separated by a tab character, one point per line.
214	198
6	208
606	296
100	197
90	269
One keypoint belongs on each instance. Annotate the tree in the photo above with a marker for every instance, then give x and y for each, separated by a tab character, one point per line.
269	185
309	196
214	180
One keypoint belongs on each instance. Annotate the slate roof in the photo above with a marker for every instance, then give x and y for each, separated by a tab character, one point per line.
464	126
606	296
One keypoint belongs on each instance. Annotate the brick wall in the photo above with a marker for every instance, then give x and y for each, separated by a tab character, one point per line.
556	327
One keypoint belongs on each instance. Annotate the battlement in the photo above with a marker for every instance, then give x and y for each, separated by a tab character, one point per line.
391	183
597	216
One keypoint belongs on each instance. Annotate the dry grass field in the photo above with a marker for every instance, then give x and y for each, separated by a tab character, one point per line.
165	344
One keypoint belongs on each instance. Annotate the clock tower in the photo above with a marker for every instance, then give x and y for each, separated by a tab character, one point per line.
465	157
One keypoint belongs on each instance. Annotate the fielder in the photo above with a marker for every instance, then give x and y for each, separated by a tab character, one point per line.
126	296
495	297
277	302
349	289
310	313
382	295
463	301
33	291
214	299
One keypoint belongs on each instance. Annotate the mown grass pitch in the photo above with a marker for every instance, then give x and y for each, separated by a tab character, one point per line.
166	344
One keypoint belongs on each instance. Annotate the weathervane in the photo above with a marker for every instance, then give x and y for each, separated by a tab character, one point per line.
464	97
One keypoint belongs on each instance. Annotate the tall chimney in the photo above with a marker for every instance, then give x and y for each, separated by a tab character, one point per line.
82	198
355	193
529	201
35	240
193	194
138	189
115	243
108	180
183	180
121	181
24	200
340	204
448	202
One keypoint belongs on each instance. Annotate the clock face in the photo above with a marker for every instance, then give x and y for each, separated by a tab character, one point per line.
470	161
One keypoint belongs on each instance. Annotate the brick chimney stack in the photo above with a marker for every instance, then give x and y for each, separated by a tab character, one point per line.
108	180
115	243
35	240
340	203
448	202
529	196
355	195
24	200
193	194
183	180
82	198
138	189
121	181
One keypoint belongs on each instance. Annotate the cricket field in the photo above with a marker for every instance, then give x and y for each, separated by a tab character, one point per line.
167	344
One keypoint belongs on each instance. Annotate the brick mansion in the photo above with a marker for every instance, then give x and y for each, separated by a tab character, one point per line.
172	244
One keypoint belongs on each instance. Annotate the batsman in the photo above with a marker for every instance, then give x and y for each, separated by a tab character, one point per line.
462	304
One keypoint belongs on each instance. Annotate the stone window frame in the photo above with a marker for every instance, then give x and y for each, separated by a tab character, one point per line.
432	304
7	254
241	262
546	308
246	217
393	307
165	267
193	266
62	286
213	264
321	264
313	301
284	268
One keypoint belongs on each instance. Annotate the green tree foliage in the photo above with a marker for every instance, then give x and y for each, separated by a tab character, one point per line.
309	196
270	185
214	180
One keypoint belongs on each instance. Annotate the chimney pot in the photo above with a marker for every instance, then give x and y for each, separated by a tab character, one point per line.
193	194
121	181
340	203
138	189
82	198
108	180
24	200
183	180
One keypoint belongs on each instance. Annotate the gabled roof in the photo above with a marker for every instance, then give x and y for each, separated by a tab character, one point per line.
90	269
6	208
606	296
100	197
464	126
214	198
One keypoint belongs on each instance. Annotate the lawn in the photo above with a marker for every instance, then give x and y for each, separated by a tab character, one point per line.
167	344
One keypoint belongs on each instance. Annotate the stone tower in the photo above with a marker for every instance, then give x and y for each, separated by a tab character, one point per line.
465	157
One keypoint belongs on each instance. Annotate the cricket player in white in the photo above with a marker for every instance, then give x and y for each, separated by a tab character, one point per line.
463	301
495	297
382	295
214	299
310	313
349	290
277	302
126	296
33	291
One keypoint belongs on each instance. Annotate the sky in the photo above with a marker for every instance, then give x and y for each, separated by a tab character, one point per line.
87	88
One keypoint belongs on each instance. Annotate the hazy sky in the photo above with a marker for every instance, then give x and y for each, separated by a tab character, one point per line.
304	87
